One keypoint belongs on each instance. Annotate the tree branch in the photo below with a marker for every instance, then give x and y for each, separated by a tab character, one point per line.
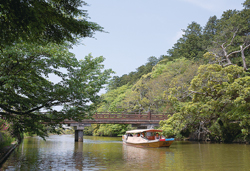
232	38
234	52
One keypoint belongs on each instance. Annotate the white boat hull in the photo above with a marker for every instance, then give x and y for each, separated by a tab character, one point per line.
143	142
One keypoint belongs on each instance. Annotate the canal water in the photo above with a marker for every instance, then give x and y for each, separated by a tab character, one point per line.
60	152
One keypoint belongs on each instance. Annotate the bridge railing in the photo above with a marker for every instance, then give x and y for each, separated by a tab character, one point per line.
159	116
130	116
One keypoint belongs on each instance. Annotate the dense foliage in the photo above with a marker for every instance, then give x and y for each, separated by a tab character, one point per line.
107	129
134	76
25	88
35	40
5	134
220	101
44	21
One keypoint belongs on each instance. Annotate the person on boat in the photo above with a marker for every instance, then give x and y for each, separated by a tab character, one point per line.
138	135
142	135
157	136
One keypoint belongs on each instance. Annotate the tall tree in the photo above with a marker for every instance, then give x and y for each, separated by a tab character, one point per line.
232	39
209	31
190	44
25	89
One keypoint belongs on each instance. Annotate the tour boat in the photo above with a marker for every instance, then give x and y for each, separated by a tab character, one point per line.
146	138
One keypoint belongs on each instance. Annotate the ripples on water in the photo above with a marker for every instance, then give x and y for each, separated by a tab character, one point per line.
60	152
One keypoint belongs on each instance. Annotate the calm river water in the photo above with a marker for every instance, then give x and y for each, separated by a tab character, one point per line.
60	152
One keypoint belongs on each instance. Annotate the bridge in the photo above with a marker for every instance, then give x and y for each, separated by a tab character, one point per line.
139	120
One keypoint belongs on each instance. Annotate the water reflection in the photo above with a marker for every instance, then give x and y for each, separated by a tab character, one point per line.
108	153
78	155
150	158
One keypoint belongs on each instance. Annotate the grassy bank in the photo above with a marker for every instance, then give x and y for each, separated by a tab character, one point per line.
6	139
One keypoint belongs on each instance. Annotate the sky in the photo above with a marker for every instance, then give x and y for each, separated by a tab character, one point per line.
139	29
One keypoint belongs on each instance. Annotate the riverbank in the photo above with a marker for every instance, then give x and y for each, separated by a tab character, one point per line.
6	151
7	143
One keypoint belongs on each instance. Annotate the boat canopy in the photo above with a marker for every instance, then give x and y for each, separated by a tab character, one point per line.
143	130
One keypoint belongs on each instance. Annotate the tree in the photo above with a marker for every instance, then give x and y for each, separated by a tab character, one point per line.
111	98
44	21
222	56
112	129
190	44
232	39
152	60
209	31
25	89
246	4
133	77
220	96
151	91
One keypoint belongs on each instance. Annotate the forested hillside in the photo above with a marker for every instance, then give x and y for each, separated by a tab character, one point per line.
203	80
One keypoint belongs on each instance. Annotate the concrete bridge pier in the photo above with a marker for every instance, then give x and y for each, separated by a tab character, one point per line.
79	135
79	131
152	126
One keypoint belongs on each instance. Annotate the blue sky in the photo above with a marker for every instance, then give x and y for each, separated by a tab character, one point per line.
139	29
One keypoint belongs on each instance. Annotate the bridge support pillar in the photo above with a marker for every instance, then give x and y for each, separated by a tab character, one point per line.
79	135
151	126
78	127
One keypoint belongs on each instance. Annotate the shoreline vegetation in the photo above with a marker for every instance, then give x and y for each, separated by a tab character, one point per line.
95	131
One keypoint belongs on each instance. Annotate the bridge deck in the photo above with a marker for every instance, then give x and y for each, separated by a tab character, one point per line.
123	118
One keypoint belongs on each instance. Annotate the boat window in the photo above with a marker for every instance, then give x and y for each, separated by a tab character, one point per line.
149	133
